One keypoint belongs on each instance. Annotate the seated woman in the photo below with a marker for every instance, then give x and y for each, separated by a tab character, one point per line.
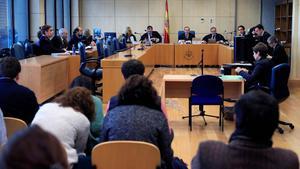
46	45
138	117
129	36
33	148
68	118
87	38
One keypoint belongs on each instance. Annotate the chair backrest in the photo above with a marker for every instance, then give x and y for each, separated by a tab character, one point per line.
279	81
116	44
97	33
207	85
28	49
81	48
182	32
125	155
13	125
100	49
110	46
123	43
111	34
18	50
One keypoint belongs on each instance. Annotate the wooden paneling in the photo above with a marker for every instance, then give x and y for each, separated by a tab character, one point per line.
164	54
225	54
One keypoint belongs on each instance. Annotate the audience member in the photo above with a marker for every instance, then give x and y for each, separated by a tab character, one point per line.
61	41
138	117
279	55
3	136
187	35
33	148
129	36
213	37
261	73
68	118
15	100
46	45
250	145
87	38
96	124
154	36
241	31
76	38
261	34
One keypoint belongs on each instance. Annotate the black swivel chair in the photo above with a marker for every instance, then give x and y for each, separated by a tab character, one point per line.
207	90
279	87
94	73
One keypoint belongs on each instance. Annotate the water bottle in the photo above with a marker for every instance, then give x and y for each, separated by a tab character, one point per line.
222	71
73	50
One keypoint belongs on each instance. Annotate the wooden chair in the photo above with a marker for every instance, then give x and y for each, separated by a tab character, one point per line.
125	155
13	125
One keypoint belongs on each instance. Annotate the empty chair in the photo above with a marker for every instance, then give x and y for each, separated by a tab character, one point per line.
18	50
123	43
207	90
116	45
109	45
110	34
94	73
28	49
125	155
13	125
100	48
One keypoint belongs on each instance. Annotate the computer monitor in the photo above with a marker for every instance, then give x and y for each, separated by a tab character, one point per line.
243	49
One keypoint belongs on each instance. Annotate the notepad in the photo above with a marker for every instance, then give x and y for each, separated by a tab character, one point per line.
231	77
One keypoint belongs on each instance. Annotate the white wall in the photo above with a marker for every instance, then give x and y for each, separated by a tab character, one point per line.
115	15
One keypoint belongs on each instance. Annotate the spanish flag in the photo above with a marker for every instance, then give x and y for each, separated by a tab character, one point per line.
166	29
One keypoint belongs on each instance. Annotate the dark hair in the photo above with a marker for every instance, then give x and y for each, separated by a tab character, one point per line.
45	28
33	148
82	81
241	26
9	67
75	30
132	67
39	34
257	115
80	99
149	27
260	26
261	48
138	90
273	39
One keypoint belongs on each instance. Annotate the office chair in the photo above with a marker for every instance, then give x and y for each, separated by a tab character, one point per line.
100	49
110	34
279	87
182	32
28	49
116	45
13	125
109	46
126	155
123	43
94	73
206	90
18	50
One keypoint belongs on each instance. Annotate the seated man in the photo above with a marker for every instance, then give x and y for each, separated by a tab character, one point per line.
250	145
187	35
261	73
241	31
61	41
261	34
76	38
15	100
213	36
279	55
154	36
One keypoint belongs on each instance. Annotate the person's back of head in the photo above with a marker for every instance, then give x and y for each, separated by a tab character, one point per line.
260	26
257	116
132	67
80	99
33	148
261	48
10	67
82	81
138	90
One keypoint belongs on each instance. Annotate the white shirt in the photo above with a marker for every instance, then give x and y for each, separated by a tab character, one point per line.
69	126
3	136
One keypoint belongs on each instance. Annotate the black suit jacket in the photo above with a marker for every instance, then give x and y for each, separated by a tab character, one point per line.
219	37
59	42
74	41
279	55
240	154
261	74
154	34
183	37
46	46
17	101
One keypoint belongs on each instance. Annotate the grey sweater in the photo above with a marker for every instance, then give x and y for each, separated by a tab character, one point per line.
139	123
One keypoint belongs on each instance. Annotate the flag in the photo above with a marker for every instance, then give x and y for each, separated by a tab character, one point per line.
166	28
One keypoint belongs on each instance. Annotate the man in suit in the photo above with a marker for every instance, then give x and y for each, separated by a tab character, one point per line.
61	41
154	36
187	35
15	100
261	34
213	36
250	145
261	73
279	55
241	31
76	38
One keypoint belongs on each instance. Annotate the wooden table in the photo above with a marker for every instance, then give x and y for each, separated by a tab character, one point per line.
179	86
